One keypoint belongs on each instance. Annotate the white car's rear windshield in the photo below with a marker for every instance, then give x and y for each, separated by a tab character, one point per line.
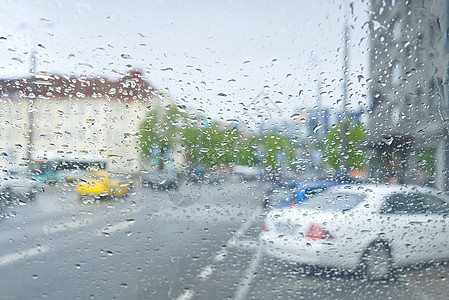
334	200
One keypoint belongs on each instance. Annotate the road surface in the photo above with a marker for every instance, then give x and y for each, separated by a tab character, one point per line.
198	242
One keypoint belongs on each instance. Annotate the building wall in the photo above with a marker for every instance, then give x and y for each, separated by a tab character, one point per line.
13	133
63	127
404	110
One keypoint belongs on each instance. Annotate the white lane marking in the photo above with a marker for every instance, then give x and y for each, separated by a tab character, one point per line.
13	257
48	229
221	255
245	226
188	294
244	287
116	227
246	244
207	271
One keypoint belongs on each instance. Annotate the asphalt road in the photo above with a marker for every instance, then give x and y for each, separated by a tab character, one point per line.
200	242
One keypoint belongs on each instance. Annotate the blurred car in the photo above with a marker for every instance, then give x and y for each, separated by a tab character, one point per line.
284	193
46	176
71	176
17	185
103	184
196	173
247	173
214	177
369	229
161	179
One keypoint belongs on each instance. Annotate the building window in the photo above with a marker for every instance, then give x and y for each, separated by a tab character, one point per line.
395	115
419	51
395	74
396	29
433	97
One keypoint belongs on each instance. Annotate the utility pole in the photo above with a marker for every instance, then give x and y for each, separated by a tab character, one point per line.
31	97
263	108
344	114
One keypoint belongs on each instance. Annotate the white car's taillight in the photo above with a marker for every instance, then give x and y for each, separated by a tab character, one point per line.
317	232
264	225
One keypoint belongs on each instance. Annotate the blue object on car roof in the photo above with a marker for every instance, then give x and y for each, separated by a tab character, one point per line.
293	193
304	189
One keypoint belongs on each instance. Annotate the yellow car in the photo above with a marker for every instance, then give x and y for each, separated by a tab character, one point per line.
102	184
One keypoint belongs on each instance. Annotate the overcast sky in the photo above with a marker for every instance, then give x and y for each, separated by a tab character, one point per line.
196	50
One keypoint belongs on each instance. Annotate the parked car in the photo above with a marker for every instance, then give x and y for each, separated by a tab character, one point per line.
71	176
161	179
195	173
17	185
214	177
103	184
46	176
247	173
366	228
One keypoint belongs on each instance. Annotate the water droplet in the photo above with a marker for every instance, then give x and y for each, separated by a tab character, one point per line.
17	59
86	64
389	141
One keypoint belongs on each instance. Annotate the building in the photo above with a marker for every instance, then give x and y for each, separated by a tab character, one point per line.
407	135
75	118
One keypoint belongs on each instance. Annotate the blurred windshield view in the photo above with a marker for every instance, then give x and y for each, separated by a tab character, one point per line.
224	150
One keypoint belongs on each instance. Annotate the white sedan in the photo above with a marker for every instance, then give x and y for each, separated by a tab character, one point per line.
371	228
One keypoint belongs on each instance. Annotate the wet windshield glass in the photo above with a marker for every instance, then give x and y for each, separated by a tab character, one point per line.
213	129
282	197
333	201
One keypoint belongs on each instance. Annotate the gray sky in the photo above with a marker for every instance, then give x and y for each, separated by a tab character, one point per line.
195	50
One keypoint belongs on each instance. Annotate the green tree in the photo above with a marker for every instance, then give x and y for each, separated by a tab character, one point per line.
216	145
209	145
343	147
278	150
160	131
427	161
247	151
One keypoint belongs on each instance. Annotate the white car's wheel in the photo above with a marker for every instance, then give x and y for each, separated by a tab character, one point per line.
7	195
31	196
377	262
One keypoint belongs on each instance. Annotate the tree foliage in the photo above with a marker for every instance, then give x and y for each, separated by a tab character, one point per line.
160	130
278	150
211	145
343	147
215	145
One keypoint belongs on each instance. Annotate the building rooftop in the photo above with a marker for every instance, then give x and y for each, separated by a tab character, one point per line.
131	87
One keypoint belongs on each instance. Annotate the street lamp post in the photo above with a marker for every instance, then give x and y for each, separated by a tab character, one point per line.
344	114
31	97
